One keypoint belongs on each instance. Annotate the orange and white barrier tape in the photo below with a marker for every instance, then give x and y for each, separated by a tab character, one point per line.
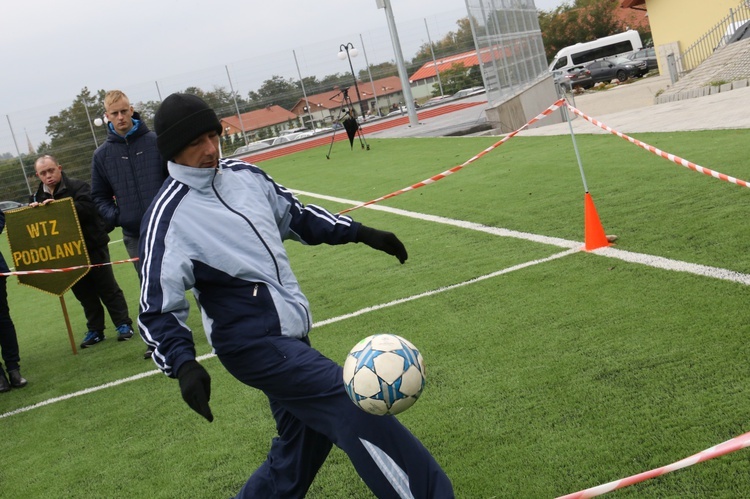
554	107
65	269
732	445
671	157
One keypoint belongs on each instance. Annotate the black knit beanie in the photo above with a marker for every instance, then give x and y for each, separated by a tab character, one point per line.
180	119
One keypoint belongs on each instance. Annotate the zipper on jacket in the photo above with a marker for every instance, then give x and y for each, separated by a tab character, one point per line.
252	226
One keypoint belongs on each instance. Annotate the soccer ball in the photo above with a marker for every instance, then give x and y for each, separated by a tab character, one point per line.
384	374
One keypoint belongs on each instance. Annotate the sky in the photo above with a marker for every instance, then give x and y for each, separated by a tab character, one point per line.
51	49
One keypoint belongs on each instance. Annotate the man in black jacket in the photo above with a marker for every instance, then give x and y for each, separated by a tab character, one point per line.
8	337
126	172
98	285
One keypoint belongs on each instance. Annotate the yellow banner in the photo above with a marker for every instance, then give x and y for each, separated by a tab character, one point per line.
47	237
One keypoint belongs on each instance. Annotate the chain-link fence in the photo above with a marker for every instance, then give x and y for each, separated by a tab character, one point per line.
509	42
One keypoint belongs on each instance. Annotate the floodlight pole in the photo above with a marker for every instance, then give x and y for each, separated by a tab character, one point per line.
405	86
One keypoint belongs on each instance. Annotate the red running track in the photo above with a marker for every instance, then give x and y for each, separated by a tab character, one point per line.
276	152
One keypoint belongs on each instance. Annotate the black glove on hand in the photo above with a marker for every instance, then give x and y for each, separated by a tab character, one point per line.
383	241
195	384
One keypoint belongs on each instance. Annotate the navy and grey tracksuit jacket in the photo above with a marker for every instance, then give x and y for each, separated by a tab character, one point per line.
220	232
190	240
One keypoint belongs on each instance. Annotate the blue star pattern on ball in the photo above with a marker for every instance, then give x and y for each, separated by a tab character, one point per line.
384	374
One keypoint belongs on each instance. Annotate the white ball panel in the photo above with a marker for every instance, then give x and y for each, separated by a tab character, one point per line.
366	383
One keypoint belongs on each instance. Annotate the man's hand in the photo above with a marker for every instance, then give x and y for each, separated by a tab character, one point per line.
46	201
195	384
383	241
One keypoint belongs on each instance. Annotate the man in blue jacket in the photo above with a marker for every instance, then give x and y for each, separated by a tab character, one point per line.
217	228
126	172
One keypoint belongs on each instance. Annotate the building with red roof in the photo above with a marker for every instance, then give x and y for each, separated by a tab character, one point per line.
261	123
326	107
423	80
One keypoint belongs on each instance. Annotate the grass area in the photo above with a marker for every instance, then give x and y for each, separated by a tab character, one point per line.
540	382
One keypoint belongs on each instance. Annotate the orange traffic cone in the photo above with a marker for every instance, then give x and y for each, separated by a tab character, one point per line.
595	236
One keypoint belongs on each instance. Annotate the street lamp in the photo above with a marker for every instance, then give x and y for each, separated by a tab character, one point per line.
347	51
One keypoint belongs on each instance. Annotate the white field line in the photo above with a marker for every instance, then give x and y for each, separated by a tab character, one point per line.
571	246
315	325
444	288
627	256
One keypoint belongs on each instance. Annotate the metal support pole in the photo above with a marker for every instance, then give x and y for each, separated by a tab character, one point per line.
23	169
405	86
88	117
564	110
304	93
236	106
434	62
372	84
345	48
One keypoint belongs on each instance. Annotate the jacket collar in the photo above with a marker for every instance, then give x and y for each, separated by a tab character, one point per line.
195	178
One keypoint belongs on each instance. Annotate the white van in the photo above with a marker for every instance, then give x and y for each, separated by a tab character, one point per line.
608	46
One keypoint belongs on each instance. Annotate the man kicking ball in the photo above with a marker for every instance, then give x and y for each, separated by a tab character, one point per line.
217	228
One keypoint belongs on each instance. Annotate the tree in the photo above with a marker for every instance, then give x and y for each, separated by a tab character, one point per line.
382	70
456	78
583	21
72	139
455	42
14	187
277	90
220	99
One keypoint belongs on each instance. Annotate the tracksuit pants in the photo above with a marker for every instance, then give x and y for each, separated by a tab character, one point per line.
312	412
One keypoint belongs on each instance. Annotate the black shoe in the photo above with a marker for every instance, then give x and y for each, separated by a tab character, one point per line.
4	386
92	338
148	353
124	332
16	380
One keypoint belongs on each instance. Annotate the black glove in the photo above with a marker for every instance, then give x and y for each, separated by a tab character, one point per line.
195	384
383	241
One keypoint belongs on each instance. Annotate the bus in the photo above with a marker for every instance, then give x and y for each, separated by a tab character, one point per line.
609	46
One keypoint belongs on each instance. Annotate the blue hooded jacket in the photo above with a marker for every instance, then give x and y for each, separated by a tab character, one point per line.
126	174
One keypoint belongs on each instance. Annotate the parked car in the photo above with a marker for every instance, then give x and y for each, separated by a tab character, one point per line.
252	146
294	131
468	92
621	69
436	100
640	65
648	55
10	205
283	139
575	77
737	30
398	112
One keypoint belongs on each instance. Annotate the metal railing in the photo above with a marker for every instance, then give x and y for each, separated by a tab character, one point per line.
713	40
